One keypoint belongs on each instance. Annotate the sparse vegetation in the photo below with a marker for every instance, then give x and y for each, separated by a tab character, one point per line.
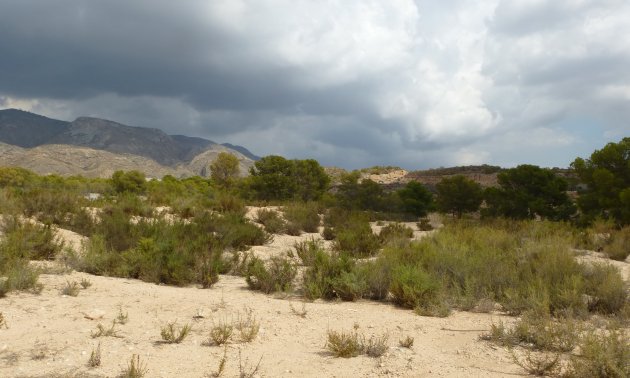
71	288
101	331
171	334
406	342
220	333
85	283
248	327
276	275
351	344
271	220
95	357
122	317
135	368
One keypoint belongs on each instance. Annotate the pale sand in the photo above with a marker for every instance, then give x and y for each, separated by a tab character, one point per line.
58	329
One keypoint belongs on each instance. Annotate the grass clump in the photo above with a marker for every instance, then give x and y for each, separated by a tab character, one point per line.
351	344
122	317
248	327
135	368
95	357
538	364
171	334
85	283
344	344
307	250
357	239
276	275
71	288
271	220
221	333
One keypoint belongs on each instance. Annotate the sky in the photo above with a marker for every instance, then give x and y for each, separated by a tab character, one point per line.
351	83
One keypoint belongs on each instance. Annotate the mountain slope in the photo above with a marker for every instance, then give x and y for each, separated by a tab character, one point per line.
26	129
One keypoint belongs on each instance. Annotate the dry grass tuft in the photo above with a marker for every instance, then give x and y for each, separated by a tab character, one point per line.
95	357
172	335
135	369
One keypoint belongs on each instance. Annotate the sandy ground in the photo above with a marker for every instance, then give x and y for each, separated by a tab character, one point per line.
50	334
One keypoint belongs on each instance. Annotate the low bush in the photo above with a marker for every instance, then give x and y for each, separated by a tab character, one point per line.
271	220
173	335
276	275
322	279
619	246
351	344
357	239
412	287
307	250
302	217
604	354
395	231
606	289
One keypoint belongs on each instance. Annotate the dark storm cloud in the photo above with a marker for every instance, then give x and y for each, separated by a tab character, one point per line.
358	82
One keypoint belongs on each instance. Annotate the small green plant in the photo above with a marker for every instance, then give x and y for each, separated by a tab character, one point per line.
172	335
277	275
302	217
122	317
220	334
344	344
85	283
248	327
619	246
71	289
135	369
395	231
95	357
307	250
602	355
101	331
407	342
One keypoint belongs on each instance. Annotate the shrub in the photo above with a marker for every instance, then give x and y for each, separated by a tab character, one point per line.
307	250
349	286
407	342
221	333
278	275
619	246
376	346
271	220
357	239
602	355
248	327
228	203
319	279
395	231
342	344
302	216
170	334
412	286
95	357
71	289
606	288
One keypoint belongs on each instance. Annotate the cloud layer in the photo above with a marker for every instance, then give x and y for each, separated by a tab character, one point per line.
351	83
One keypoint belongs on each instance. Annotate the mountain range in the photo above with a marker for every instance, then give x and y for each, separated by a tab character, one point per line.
97	147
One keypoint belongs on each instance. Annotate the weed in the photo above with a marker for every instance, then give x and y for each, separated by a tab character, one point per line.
407	342
539	364
95	357
101	331
301	313
171	335
220	334
248	328
122	318
344	344
71	289
395	231
222	363
376	346
244	370
85	283
135	369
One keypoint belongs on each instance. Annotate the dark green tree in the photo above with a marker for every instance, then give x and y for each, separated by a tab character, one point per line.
528	191
458	195
311	179
606	175
357	194
272	178
130	182
416	199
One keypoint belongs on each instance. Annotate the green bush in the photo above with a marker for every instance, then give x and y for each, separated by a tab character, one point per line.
277	275
395	231
411	287
606	289
307	250
619	246
271	220
320	278
357	239
302	216
30	241
602	355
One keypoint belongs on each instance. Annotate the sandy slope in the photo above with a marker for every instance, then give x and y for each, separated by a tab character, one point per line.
50	334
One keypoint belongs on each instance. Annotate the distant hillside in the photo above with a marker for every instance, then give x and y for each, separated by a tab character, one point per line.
177	154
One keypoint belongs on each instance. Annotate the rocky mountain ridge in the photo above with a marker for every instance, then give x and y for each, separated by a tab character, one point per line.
97	147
